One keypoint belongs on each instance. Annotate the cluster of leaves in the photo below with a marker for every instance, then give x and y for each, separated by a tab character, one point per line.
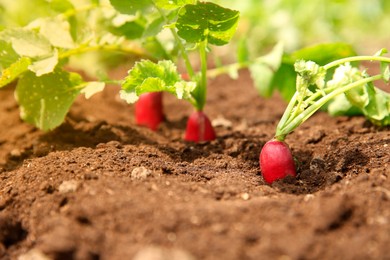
37	52
314	89
194	26
301	23
36	47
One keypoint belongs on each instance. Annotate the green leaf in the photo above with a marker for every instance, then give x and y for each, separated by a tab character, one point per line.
381	52
46	65
15	70
7	55
147	76
131	30
324	53
57	31
61	6
284	80
44	101
340	106
155	48
385	69
242	51
207	22
173	4
153	28
285	77
27	42
377	105
384	66
264	68
131	6
92	88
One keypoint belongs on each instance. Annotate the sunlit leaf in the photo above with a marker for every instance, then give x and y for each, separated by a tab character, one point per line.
44	101
92	88
7	55
27	42
14	70
207	21
172	4
130	6
57	32
147	76
46	65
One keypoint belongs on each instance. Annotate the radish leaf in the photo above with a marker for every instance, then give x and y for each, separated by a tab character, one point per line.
7	54
147	76
173	4
44	101
14	71
92	88
378	108
57	31
207	22
264	68
27	42
130	6
45	65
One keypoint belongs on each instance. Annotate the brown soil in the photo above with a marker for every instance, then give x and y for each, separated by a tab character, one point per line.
74	193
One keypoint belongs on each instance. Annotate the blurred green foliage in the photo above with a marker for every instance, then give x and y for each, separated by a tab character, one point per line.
299	23
263	23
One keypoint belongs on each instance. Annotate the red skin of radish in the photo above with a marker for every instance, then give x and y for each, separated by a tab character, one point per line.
199	128
276	161
149	110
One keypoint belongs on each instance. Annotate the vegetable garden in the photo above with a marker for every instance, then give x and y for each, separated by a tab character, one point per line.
194	130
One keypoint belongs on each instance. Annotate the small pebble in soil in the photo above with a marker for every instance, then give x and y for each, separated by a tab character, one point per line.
245	196
33	254
68	186
161	253
222	122
15	153
140	173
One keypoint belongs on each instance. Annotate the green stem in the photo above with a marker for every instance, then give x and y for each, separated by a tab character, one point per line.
286	116
356	58
107	81
182	48
203	83
112	48
283	130
212	73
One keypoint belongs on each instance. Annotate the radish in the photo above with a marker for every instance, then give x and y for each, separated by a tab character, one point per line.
149	110
194	28
199	128
276	161
314	90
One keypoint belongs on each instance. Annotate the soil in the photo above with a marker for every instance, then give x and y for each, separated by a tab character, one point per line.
100	187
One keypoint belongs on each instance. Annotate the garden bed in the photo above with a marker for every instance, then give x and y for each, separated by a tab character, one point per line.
100	187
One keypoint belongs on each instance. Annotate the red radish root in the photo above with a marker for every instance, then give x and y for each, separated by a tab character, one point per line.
149	110
276	161
199	128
